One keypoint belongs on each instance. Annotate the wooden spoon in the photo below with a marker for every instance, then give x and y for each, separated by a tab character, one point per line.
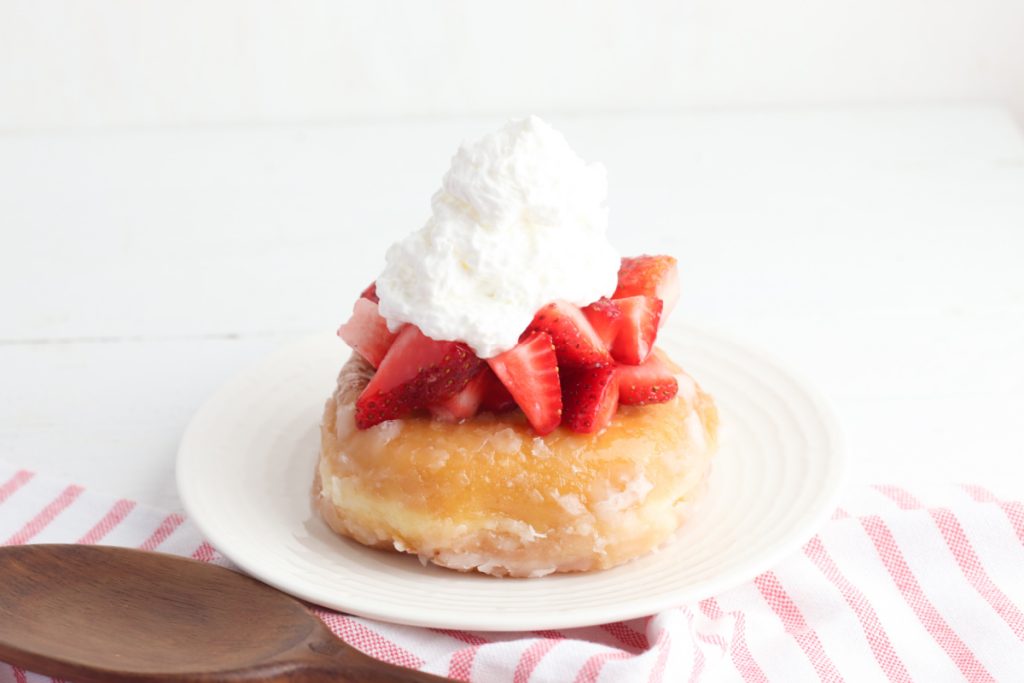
109	615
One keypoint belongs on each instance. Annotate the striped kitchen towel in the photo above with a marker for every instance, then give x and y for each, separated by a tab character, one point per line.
904	584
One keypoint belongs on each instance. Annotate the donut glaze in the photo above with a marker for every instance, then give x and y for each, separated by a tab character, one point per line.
488	494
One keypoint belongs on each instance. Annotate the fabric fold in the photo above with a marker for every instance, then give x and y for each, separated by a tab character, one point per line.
904	583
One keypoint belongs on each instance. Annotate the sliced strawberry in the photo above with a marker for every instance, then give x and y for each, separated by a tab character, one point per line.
591	396
606	319
464	404
576	343
640	316
367	332
655	276
497	398
371	292
530	373
416	372
653	381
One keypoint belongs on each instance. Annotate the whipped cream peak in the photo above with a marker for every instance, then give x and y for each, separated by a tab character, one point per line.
520	221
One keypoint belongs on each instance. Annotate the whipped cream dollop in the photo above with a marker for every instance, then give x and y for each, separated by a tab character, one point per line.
520	221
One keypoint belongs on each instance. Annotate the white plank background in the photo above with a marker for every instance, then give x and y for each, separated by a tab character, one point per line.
115	62
878	251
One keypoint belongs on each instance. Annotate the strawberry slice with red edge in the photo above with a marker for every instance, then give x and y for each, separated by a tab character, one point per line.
464	404
416	372
529	371
638	330
371	292
576	342
367	332
606	319
653	381
654	276
590	397
496	398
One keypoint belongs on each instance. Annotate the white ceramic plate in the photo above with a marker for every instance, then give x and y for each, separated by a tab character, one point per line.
246	463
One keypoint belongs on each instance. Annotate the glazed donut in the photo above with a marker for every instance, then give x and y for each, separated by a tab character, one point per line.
488	494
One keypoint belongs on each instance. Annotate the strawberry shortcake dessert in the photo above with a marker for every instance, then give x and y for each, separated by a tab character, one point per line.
506	408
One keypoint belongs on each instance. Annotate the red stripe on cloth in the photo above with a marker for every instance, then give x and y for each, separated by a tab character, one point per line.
460	666
19	674
166	528
367	640
464	636
877	638
204	553
20	478
664	645
903	498
531	657
591	669
461	663
45	516
110	520
795	624
970	565
1014	510
628	636
712	639
980	493
557	635
698	653
741	657
974	570
910	589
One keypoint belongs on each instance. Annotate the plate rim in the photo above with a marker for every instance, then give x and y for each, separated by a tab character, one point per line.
578	617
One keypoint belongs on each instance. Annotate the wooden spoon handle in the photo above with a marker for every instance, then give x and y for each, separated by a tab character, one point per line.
92	614
335	662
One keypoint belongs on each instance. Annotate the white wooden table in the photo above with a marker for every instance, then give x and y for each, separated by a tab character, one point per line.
877	251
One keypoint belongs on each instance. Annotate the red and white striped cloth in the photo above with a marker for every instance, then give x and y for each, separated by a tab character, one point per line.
905	585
